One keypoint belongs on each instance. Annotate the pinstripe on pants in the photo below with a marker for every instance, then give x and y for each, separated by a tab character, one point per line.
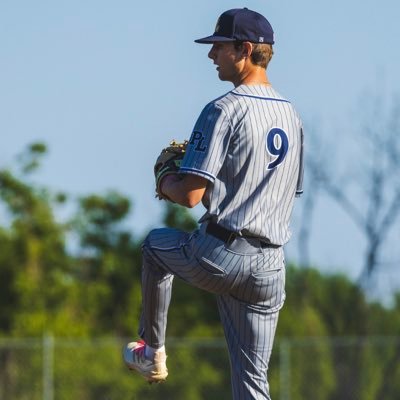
248	281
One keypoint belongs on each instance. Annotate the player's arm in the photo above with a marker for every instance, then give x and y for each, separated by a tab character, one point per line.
186	191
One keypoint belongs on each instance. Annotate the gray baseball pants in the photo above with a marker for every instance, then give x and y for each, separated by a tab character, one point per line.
248	281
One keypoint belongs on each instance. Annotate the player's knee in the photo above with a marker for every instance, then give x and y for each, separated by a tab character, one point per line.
146	245
149	242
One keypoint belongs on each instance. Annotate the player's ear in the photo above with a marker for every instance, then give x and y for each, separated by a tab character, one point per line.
247	49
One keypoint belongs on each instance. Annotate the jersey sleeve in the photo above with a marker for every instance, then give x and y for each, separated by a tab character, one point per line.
208	143
299	186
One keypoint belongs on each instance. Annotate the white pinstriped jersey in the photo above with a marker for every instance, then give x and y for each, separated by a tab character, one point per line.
248	144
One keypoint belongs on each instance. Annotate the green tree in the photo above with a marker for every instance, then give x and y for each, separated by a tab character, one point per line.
34	259
108	264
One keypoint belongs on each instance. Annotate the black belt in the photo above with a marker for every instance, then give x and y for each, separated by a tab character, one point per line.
228	236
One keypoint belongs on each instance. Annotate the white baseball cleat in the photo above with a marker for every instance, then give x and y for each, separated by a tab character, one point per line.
153	371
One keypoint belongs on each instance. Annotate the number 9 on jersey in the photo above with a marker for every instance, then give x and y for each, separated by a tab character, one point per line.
277	145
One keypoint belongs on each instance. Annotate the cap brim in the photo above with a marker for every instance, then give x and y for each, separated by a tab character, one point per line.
213	38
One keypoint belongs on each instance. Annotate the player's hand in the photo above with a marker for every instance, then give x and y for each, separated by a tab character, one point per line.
168	163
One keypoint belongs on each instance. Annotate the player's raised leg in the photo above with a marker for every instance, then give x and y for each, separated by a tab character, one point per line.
148	356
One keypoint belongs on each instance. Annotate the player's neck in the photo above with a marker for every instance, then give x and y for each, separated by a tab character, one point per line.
256	76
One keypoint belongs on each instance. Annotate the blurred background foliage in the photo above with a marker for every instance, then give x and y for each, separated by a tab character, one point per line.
80	278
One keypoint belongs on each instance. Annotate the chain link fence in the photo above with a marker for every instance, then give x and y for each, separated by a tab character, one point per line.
364	368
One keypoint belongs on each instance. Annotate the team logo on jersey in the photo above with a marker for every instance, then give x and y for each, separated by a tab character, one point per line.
197	140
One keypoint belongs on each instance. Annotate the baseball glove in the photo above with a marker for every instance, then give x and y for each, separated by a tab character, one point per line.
168	162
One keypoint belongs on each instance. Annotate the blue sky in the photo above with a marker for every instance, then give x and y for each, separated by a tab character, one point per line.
106	84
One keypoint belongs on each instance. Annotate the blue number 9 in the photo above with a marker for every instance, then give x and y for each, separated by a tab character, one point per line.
277	145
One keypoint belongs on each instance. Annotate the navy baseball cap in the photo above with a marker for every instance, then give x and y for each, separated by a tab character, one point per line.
241	24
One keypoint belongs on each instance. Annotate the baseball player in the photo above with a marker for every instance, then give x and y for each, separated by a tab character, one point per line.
243	161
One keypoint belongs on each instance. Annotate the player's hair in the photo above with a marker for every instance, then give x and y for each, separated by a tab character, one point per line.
261	54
